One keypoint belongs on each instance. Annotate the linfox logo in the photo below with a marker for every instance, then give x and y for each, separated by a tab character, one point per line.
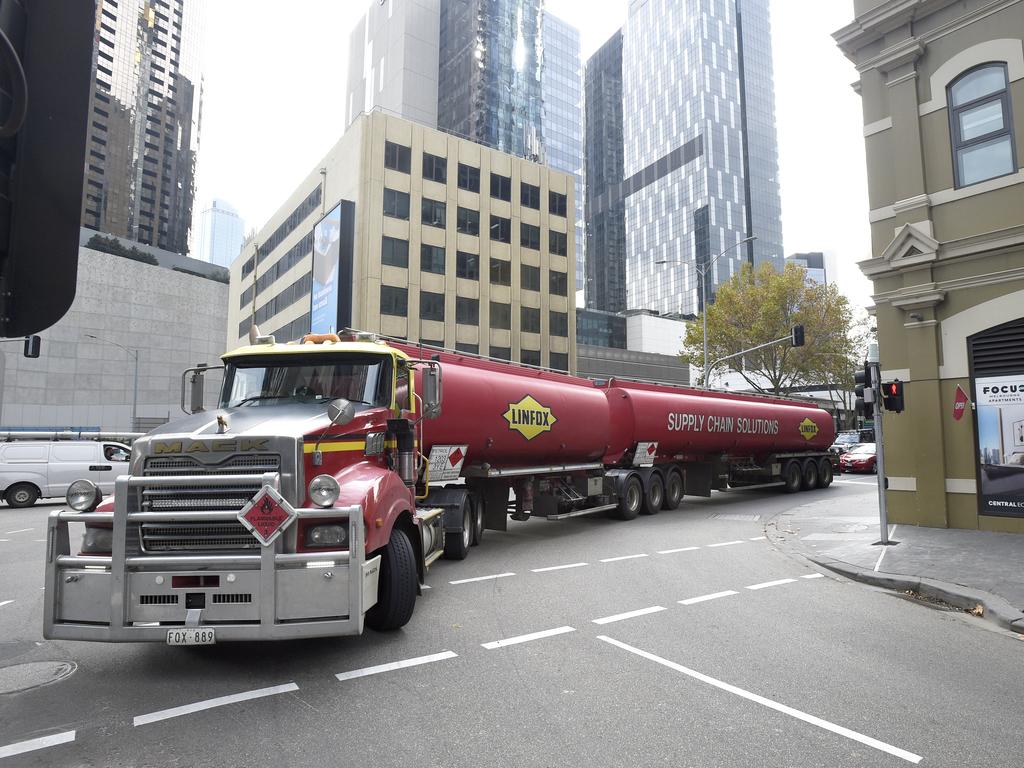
529	418
215	446
808	429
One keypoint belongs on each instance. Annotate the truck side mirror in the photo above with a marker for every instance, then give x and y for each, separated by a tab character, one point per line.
197	383
340	412
432	391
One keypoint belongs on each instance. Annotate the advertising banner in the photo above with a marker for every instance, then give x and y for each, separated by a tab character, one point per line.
1000	403
323	316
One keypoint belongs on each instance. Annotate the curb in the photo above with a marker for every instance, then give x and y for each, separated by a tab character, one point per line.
996	609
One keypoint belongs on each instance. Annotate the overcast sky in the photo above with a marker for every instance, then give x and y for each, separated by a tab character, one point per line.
274	93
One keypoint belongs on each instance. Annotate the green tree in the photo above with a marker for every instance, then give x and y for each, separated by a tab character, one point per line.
761	305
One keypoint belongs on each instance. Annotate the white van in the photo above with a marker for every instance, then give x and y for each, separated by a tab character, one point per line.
33	469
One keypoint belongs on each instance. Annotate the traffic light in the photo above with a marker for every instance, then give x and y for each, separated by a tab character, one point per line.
798	335
892	396
46	72
865	405
32	344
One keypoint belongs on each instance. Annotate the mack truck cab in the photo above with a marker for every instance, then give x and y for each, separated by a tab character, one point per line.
289	511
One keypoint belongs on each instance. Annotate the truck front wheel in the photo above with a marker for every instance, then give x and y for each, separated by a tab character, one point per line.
396	588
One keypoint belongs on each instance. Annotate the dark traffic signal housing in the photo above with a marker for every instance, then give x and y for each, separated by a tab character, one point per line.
892	396
865	405
798	336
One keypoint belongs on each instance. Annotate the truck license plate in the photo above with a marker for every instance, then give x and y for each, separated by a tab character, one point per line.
191	637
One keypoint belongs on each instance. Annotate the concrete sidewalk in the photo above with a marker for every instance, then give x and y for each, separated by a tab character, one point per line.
963	568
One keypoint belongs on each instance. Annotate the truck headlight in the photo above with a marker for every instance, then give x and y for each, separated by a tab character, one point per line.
83	496
324	490
97	540
333	535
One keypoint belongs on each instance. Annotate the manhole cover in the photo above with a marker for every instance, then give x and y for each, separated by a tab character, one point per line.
22	677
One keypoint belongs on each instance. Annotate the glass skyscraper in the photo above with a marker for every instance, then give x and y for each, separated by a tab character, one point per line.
221	232
700	167
562	119
144	121
489	78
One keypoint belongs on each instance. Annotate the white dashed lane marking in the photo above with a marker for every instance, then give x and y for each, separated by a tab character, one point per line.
673	551
527	638
558	567
725	544
392	666
813	576
767	584
32	745
796	713
20	530
482	578
705	598
629	615
200	706
622	557
5	602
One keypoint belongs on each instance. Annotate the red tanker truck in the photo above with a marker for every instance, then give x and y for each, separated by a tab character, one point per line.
336	470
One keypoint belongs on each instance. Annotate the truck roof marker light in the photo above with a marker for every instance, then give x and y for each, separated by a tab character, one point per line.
320	338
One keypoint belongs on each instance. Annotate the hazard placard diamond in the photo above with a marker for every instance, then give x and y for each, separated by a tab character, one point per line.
267	515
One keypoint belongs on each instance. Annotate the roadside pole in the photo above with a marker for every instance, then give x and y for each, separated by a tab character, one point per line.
883	512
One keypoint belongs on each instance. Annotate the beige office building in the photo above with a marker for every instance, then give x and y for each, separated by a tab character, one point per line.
942	83
442	240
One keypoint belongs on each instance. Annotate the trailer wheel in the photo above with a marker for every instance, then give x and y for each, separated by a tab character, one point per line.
631	499
810	475
793	476
457	543
396	589
673	489
824	473
478	520
654	494
22	495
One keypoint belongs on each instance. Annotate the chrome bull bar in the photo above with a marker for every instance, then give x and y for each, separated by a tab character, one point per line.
290	595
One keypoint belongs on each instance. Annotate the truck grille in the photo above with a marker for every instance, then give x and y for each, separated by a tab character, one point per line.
201	537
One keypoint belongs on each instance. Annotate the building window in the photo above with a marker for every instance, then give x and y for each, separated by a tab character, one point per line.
394	301
432	259
529	236
394	252
501	229
501	353
501	316
529	320
501	187
467	221
559	361
501	272
557	203
435	168
559	324
981	125
529	196
467	312
473	349
431	306
397	157
433	213
467	265
530	357
557	283
529	278
469	178
396	204
557	243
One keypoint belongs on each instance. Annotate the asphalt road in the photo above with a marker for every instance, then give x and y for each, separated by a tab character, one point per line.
683	639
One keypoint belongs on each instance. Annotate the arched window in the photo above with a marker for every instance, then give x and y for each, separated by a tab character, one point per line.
981	125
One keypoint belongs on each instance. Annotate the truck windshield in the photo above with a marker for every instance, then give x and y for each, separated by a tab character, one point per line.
362	379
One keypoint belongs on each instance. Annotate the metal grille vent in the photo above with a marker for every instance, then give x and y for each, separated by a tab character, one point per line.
169	537
232	599
998	351
241	464
158	599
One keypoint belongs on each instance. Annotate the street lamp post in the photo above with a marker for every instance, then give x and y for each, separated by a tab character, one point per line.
135	383
704	295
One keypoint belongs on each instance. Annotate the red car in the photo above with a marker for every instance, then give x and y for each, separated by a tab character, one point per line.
860	458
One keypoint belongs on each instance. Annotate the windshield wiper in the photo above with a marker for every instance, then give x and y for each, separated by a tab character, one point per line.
255	398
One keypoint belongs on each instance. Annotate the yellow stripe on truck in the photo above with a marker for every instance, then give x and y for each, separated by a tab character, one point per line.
334	446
